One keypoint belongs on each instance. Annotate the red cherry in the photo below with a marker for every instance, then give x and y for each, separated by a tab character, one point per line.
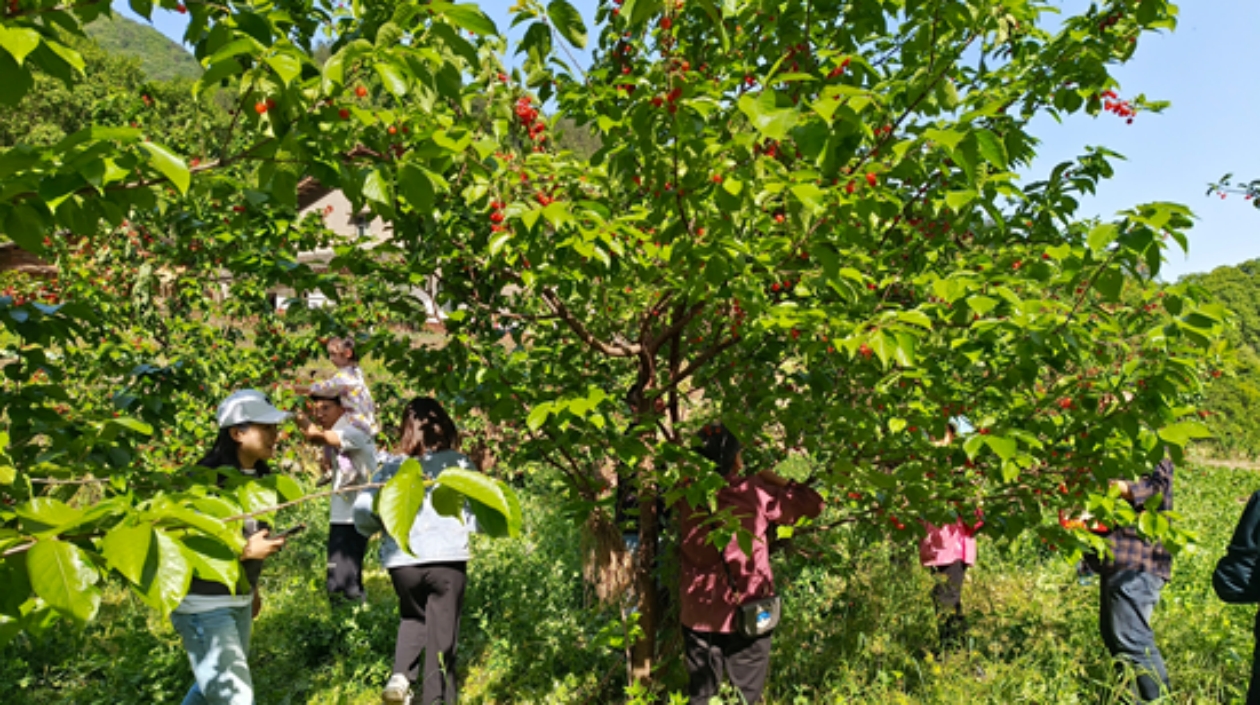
872	179
344	113
496	217
850	187
717	178
666	23
181	9
360	91
778	217
260	107
393	130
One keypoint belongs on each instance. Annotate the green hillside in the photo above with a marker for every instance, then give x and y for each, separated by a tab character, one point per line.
1234	398
160	58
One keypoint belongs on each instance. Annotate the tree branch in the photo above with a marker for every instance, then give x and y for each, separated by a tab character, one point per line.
580	329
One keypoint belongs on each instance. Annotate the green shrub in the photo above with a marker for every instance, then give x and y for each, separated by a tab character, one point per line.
858	627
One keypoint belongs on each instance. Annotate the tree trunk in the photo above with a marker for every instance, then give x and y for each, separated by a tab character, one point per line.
643	652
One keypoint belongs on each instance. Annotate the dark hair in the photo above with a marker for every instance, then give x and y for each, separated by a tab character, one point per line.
334	398
719	445
426	427
346	345
226	452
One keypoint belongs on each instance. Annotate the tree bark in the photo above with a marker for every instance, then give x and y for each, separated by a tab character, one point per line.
643	652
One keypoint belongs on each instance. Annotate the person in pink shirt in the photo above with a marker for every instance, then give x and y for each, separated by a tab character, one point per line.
716	582
948	551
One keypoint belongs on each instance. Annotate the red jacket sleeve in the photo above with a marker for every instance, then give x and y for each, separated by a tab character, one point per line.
790	503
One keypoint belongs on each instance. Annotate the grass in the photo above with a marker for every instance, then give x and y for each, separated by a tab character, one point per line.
857	626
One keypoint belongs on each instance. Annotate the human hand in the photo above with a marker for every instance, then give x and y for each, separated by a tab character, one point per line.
1126	491
259	546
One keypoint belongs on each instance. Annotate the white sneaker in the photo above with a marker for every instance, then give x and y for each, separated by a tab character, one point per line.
397	690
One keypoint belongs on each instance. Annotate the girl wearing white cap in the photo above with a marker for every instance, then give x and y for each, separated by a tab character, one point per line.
214	619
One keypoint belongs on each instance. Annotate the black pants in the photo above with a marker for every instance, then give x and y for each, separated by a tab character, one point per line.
430	598
948	595
709	655
346	547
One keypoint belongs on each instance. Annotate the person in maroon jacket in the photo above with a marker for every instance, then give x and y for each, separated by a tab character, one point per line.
715	583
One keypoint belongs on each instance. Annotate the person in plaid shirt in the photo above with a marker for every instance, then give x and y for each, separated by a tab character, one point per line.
1130	583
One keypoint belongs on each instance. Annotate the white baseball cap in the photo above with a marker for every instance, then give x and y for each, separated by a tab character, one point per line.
249	406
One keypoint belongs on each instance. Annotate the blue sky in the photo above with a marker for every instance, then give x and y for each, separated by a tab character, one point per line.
1203	68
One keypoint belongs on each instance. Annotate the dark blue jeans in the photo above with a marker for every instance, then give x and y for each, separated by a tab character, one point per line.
1128	597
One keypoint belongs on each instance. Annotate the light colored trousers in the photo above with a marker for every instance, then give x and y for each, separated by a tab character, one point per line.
217	643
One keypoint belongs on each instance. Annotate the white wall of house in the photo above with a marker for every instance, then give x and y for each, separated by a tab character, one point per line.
340	217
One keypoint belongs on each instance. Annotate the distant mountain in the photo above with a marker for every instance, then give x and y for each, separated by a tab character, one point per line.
160	58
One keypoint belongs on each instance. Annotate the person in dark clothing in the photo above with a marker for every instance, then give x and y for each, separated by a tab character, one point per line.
1130	584
1237	580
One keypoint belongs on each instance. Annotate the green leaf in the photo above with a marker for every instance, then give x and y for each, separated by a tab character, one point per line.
1179	434
62	576
486	491
211	560
1110	283
568	22
287	66
171	166
70	56
416	188
46	513
896	425
915	317
400	500
376	188
466	16
126	549
991	148
287	488
19	42
946	138
17	81
809	195
166	576
538	416
255	496
393	78
110	428
982	304
1102	235
448	503
1004	447
957	199
770	120
334	72
972	445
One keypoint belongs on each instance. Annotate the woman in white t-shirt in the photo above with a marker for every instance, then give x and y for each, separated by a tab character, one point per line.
214	619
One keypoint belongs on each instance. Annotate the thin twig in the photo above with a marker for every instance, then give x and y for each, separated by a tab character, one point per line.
307	498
